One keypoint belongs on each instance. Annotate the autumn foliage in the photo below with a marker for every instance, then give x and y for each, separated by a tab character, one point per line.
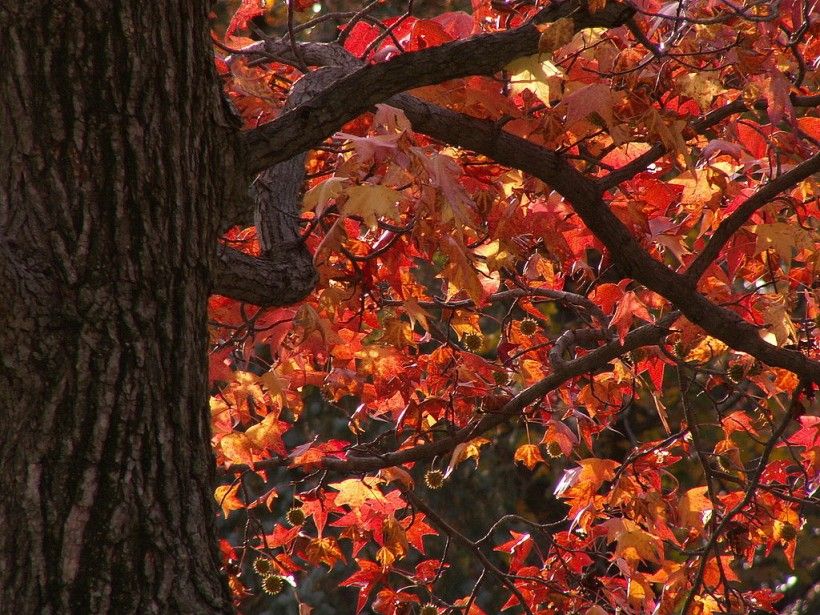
629	302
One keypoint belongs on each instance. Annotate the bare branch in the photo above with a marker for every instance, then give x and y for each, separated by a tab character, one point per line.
460	538
595	359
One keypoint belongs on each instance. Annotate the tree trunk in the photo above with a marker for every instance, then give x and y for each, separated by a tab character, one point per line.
112	149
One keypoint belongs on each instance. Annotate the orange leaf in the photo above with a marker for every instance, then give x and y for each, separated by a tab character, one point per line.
693	507
529	455
227	499
555	34
237	448
324	551
397	474
629	308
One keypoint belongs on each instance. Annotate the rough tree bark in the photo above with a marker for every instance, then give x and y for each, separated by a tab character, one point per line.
112	152
118	167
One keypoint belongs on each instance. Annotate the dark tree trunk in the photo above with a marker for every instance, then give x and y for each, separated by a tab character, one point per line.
112	154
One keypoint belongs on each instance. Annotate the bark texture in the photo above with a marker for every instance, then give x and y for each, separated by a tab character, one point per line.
112	152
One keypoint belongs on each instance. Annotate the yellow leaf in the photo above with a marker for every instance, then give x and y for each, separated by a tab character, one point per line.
416	313
783	237
276	385
556	34
598	99
638	590
584	481
706	350
395	537
697	188
237	448
317	198
633	543
227	499
459	271
356	491
397	333
370	202
534	74
700	86
464	451
385	557
693	507
268	434
780	324
529	455
671	135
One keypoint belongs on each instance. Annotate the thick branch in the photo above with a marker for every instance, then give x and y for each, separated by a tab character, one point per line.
646	335
585	196
349	97
284	272
747	497
284	278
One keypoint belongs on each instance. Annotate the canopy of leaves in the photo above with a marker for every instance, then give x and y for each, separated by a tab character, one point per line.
564	365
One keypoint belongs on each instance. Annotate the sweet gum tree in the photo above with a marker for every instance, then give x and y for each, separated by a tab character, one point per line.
586	228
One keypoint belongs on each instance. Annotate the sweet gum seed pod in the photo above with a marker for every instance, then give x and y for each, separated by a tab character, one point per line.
528	326
434	479
554	450
273	584
295	516
473	341
263	566
788	531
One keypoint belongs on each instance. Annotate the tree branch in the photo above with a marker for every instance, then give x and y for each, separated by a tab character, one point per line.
460	538
585	196
739	216
582	192
700	125
748	495
284	278
322	115
642	336
595	359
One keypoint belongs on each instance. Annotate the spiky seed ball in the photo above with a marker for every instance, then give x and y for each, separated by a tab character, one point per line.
428	609
434	479
554	450
528	326
788	531
273	585
295	516
736	372
473	341
501	378
263	566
